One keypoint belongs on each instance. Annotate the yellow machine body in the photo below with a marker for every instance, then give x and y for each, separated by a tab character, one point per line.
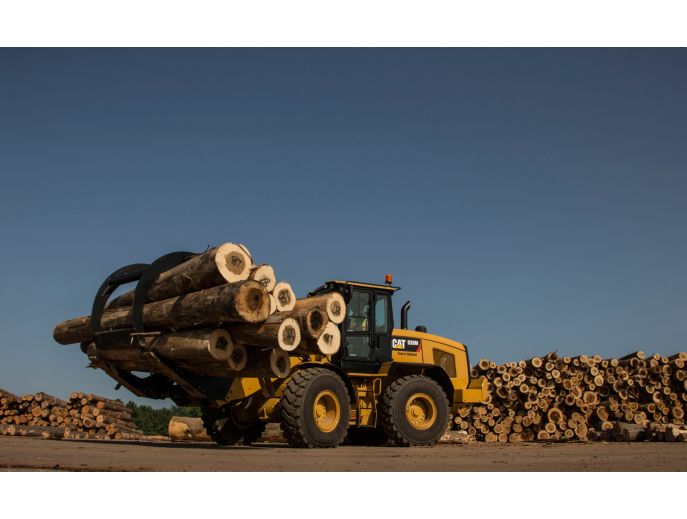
413	353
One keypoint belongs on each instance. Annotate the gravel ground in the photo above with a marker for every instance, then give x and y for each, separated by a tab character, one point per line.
83	455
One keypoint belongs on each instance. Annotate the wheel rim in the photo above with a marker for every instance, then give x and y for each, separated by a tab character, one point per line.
326	411
421	411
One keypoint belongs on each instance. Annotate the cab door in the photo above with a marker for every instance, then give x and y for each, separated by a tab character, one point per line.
366	331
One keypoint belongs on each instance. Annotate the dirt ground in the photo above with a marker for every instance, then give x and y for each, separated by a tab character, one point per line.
85	455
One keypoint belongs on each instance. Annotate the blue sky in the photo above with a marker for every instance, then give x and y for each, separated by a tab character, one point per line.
525	200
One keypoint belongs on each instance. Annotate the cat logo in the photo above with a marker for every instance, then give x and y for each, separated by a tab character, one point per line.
405	344
398	344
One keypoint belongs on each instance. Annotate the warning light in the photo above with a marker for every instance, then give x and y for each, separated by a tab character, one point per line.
389	279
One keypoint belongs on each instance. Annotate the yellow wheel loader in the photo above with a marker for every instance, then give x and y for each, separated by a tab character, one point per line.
385	384
382	384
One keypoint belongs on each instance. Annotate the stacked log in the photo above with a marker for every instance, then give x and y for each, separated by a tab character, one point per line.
216	314
80	416
552	398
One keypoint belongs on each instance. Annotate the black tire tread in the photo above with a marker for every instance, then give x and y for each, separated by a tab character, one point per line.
387	410
291	406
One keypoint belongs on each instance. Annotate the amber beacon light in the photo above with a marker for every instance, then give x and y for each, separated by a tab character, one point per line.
389	279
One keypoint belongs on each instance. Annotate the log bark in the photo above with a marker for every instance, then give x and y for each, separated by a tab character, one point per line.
103	419
228	263
182	428
246	301
208	344
332	303
111	405
120	415
192	347
32	431
268	362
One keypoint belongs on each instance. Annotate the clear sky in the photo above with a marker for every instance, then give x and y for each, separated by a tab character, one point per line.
525	200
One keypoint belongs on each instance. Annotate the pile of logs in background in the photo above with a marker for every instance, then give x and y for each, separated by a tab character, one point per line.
636	397
81	416
216	314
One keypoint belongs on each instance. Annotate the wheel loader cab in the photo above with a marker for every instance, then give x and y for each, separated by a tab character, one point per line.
366	330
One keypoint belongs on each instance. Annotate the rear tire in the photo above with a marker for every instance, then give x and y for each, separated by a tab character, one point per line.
414	411
314	409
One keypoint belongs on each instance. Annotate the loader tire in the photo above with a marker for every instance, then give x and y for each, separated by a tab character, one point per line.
314	409
414	411
223	430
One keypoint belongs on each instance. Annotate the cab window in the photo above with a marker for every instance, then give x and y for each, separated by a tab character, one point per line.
358	312
382	314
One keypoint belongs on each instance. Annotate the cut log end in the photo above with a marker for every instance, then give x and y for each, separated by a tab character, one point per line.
220	344
252	302
264	274
284	297
289	335
238	357
314	323
280	363
336	308
330	340
233	262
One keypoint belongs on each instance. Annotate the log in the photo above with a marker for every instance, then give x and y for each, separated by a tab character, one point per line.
32	431
267	362
312	321
264	274
194	346
327	344
228	263
278	331
284	296
246	301
534	362
121	415
238	358
103	419
182	428
207	344
111	405
332	303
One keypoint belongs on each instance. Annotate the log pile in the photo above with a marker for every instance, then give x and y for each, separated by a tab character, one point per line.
80	416
552	398
217	314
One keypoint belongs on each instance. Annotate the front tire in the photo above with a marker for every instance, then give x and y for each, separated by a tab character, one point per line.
314	409
414	411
